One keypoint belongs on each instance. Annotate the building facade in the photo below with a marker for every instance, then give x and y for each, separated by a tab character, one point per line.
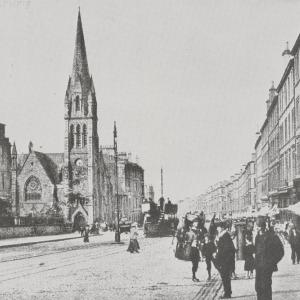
79	183
272	178
5	165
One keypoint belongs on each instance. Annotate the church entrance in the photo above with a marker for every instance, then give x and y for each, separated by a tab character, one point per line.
79	221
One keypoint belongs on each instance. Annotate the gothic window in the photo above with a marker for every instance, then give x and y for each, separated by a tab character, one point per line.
33	189
77	103
71	136
78	136
84	136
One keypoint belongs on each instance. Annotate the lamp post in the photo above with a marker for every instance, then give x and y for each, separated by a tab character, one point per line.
117	234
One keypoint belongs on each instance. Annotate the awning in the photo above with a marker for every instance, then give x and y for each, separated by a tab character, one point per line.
295	208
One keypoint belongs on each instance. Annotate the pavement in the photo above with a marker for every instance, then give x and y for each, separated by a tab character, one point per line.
25	241
285	282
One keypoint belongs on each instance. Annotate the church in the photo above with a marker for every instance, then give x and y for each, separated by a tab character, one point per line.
76	184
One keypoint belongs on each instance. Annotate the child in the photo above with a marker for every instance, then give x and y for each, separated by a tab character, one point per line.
208	249
249	259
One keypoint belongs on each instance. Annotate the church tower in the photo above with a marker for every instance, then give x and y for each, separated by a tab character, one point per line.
81	146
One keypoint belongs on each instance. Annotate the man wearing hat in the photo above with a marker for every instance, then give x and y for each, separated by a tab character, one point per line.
195	256
268	252
294	239
225	257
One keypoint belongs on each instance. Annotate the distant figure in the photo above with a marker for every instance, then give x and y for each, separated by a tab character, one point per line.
225	258
294	239
194	255
208	249
249	250
81	230
268	252
212	228
133	243
86	234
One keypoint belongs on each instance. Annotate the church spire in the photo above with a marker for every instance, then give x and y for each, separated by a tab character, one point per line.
80	74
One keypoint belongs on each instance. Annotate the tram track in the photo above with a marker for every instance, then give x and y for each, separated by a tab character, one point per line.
13	272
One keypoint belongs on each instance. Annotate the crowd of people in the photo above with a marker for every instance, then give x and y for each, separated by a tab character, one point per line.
262	250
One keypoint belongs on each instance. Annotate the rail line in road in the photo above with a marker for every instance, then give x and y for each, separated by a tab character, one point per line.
13	272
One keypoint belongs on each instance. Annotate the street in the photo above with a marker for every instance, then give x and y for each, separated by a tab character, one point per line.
100	270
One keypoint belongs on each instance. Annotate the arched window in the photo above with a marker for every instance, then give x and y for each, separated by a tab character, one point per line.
84	136
78	136
71	136
33	189
77	103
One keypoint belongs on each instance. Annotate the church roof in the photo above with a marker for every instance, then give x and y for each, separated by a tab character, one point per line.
51	163
49	166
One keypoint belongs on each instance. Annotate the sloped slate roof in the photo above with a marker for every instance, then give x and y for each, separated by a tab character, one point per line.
51	162
49	166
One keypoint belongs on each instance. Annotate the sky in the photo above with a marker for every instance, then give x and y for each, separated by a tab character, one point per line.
186	81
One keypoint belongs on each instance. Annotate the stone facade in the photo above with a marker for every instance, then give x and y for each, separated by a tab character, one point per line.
277	149
130	184
5	164
80	183
74	184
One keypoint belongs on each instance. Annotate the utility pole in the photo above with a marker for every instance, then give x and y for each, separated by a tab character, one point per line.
161	182
117	234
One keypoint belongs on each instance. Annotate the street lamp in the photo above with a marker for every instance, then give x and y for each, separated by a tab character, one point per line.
117	234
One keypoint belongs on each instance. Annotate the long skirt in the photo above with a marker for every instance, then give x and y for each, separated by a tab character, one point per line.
133	246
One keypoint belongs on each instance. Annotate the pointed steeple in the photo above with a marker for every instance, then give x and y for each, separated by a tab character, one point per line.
80	78
14	149
14	155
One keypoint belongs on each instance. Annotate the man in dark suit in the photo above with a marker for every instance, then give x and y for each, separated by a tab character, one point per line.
294	239
268	252
225	257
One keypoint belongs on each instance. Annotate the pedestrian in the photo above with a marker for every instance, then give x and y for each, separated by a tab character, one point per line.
190	236
133	242
249	250
81	230
224	259
268	252
86	234
213	228
194	254
294	239
208	249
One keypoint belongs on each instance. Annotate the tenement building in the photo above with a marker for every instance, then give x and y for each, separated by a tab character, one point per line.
130	184
77	183
275	167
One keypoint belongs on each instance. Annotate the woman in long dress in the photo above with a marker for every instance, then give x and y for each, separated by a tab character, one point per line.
133	243
249	259
86	234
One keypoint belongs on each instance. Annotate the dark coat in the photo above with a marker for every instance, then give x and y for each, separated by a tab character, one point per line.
294	239
225	258
268	251
208	250
249	259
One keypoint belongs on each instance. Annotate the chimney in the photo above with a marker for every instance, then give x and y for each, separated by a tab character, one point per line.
272	94
2	131
286	55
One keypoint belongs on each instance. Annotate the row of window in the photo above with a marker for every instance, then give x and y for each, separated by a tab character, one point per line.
286	92
78	136
287	128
